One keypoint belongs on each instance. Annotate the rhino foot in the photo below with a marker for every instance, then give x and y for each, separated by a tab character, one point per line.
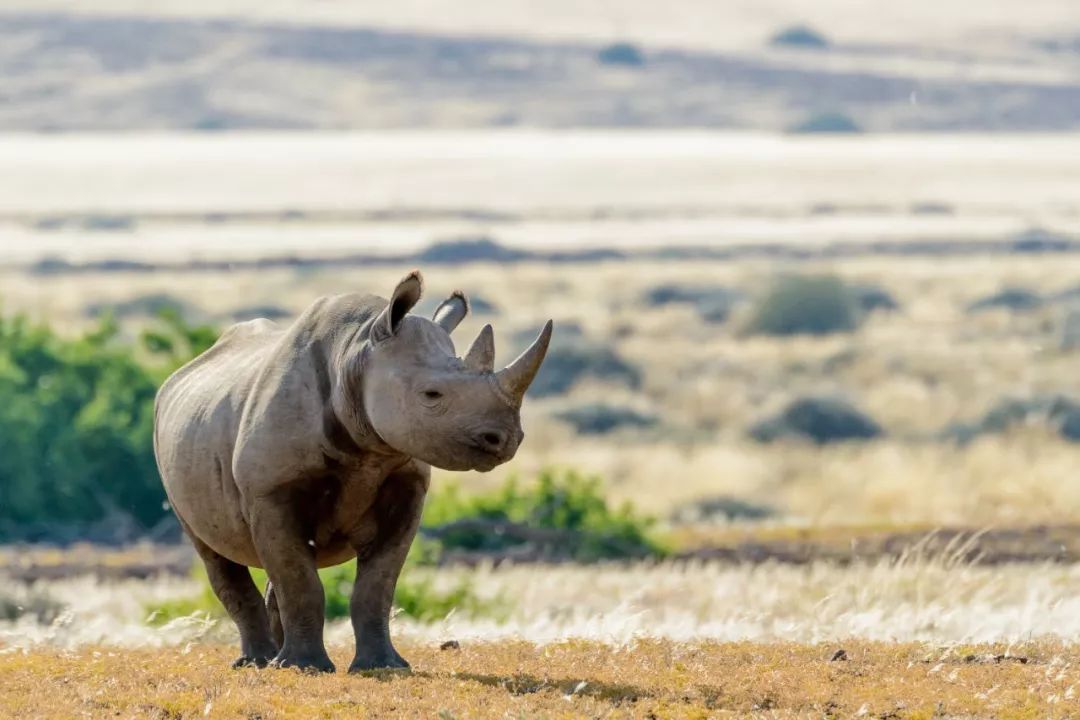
259	661
390	660
313	663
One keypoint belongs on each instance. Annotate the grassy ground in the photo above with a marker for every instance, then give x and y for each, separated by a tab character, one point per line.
568	679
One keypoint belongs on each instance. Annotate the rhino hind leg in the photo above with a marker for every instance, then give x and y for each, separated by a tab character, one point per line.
235	589
297	593
378	564
274	612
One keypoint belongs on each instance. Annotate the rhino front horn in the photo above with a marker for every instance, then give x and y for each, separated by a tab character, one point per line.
516	377
481	356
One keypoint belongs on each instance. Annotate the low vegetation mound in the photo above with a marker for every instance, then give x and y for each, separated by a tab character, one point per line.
799	36
713	303
602	418
821	420
146	306
572	358
805	305
621	53
1014	299
870	298
459	251
720	509
1058	412
562	516
827	122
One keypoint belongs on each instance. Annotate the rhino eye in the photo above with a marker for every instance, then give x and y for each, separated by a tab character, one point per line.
432	394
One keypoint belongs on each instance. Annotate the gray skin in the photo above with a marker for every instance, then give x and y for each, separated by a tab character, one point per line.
302	447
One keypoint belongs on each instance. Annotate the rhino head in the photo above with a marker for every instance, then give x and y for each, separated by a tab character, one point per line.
423	400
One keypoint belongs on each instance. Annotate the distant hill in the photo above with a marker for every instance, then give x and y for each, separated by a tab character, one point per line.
70	72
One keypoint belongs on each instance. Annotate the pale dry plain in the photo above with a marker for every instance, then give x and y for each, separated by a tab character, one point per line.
916	370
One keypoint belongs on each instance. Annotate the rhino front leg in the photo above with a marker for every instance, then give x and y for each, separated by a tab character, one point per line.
235	589
378	564
297	593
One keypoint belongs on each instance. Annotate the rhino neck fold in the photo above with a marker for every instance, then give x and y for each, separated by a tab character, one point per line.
346	427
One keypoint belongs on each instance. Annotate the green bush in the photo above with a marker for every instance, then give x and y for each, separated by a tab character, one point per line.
76	422
567	502
805	304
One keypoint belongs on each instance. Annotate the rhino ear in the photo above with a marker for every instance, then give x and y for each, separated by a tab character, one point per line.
406	295
452	311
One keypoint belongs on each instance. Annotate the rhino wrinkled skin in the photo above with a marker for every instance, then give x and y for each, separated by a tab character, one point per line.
300	447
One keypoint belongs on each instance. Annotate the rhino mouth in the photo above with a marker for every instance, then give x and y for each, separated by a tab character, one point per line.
485	458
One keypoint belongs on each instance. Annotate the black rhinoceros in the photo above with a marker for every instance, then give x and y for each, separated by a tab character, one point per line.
294	448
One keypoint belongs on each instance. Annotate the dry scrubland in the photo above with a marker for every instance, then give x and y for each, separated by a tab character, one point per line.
568	679
915	370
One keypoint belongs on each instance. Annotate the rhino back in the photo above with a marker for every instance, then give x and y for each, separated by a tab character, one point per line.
197	415
247	416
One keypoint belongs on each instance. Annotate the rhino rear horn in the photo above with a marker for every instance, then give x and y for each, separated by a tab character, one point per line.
515	378
481	355
451	311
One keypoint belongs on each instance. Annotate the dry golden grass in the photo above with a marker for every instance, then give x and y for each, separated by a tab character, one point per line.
567	679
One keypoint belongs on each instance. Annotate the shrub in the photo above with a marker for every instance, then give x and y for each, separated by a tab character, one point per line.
1014	299
621	53
600	419
1056	411
714	304
143	306
811	305
470	249
822	420
571	503
869	298
721	508
826	122
18	602
1069	332
800	36
76	423
570	361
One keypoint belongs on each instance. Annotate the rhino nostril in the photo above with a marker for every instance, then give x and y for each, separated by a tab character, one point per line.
492	439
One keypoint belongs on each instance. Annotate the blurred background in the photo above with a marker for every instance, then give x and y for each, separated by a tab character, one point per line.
814	268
